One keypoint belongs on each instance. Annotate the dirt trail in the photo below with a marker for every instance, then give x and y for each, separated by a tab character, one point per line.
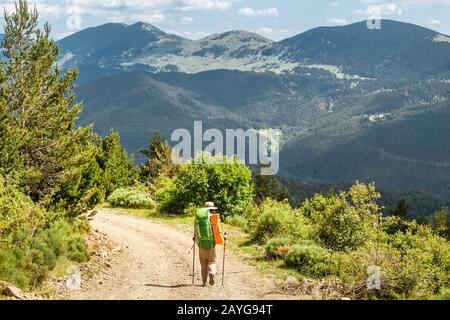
158	265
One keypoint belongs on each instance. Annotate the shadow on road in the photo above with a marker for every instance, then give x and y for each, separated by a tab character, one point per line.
171	287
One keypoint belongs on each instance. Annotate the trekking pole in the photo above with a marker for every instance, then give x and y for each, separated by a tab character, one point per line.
193	265
224	255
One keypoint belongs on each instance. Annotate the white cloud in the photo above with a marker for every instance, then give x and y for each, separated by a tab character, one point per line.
45	8
133	5
111	10
148	10
337	21
253	13
193	5
94	12
191	35
153	17
274	34
434	22
386	9
395	7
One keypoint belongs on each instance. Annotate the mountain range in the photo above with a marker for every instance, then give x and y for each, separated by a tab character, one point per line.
352	103
397	50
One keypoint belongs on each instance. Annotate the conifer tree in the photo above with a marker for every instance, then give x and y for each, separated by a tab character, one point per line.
440	221
9	138
118	168
159	159
38	105
401	210
269	187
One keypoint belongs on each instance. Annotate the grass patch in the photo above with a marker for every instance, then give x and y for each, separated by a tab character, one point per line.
62	266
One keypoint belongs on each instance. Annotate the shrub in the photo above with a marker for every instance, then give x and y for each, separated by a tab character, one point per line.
165	195
190	210
255	211
273	218
18	215
309	259
28	265
273	222
227	182
237	221
131	198
318	203
425	261
301	228
444	294
414	264
24	259
278	247
78	250
441	222
45	251
352	268
12	267
348	220
81	225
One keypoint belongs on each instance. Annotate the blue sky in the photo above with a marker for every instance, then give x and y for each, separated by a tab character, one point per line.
275	19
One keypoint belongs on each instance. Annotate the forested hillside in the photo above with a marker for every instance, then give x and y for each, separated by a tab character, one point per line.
332	132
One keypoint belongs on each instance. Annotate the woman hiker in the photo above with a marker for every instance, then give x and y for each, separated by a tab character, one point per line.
204	236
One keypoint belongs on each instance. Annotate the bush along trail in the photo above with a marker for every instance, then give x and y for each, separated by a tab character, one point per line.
53	172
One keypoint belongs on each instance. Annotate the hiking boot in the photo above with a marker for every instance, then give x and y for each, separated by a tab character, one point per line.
211	279
204	284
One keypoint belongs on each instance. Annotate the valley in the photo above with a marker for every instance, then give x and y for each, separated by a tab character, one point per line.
350	106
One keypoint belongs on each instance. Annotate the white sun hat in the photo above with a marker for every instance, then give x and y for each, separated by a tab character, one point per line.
210	205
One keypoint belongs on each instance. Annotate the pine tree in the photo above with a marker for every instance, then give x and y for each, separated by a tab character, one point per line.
441	222
159	159
39	106
401	210
269	187
118	168
10	159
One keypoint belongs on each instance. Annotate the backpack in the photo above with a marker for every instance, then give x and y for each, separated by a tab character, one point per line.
217	229
205	233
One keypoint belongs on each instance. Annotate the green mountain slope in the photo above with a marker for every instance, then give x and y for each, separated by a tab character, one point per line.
397	50
138	104
411	152
396	136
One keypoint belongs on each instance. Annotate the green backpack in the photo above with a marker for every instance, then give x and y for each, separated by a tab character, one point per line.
205	234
